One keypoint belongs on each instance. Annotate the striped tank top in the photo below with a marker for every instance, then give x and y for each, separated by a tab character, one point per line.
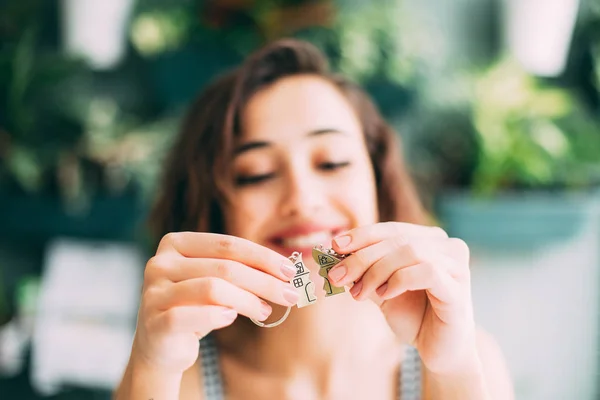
409	381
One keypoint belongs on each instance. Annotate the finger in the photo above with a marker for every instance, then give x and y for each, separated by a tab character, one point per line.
382	270
353	267
214	291
358	238
198	319
423	250
454	248
457	249
211	245
442	253
260	283
401	311
367	263
428	276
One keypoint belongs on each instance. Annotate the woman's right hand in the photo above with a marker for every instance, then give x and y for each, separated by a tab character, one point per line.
199	282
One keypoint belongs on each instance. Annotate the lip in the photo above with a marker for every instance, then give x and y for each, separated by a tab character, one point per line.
306	229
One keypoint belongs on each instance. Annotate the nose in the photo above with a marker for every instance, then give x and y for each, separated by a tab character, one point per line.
303	194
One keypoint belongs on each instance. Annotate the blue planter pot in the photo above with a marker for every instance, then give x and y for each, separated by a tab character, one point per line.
516	220
535	284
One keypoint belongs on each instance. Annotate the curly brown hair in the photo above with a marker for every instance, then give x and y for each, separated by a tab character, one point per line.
198	174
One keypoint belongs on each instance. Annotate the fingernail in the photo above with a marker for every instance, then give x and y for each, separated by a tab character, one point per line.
338	272
288	269
355	290
265	310
229	314
291	295
381	289
342	241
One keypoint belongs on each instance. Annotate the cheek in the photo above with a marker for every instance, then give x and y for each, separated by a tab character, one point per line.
360	195
245	216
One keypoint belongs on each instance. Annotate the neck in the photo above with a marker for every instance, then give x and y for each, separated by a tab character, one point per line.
322	336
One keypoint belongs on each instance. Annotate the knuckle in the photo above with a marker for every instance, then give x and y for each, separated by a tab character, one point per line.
400	241
394	227
391	225
151	297
148	323
396	277
261	253
252	251
416	252
426	266
430	267
225	244
170	319
170	239
155	268
151	292
360	258
224	270
432	271
369	278
211	289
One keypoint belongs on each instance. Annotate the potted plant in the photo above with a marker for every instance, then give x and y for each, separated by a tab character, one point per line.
538	146
75	144
530	214
513	166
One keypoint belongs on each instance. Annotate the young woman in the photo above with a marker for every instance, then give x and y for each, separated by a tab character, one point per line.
278	156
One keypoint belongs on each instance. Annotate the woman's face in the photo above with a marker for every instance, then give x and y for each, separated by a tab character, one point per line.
302	169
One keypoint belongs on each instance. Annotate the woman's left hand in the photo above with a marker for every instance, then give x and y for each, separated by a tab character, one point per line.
420	278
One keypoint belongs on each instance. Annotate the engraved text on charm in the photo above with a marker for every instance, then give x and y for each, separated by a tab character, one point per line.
326	259
301	281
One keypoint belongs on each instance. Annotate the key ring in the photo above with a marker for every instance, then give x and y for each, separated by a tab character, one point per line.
293	259
273	324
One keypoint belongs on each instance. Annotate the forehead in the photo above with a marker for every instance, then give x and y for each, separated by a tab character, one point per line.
296	105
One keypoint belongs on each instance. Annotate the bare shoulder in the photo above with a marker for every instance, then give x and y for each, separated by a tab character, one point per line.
494	366
192	383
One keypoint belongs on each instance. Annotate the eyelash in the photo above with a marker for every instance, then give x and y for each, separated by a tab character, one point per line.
253	179
331	166
256	179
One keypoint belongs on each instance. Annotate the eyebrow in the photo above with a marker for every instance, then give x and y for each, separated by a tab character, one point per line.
261	143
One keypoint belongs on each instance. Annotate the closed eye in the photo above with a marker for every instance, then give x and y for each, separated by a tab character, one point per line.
331	166
260	178
253	179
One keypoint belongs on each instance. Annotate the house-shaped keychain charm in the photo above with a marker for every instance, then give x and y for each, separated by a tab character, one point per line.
302	282
325	260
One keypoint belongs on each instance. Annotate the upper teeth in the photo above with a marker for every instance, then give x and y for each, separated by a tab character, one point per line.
309	240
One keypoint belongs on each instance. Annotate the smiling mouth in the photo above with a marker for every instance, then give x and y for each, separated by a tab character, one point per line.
307	240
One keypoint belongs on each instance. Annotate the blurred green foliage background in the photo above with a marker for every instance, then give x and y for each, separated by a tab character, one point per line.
81	141
472	118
